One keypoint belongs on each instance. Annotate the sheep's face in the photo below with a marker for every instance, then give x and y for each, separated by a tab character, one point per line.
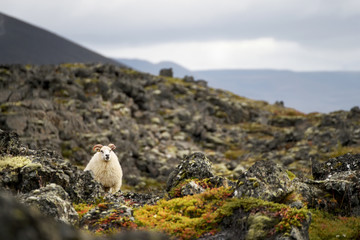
105	153
104	150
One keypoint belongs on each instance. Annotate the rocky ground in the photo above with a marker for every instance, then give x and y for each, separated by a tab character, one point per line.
198	162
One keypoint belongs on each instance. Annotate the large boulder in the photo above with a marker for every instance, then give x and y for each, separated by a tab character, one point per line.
27	170
52	201
265	180
195	165
18	222
340	177
194	175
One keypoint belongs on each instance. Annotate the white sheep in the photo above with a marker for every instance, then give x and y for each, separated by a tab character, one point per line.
106	167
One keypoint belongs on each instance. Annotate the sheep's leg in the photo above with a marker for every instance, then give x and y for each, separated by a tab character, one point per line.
115	189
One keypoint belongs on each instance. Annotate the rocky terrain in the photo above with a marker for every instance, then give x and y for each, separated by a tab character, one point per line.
198	162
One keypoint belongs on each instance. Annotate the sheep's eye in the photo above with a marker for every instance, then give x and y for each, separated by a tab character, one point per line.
102	151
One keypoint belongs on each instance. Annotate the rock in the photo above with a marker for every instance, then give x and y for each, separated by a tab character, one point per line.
52	201
344	163
191	188
195	165
106	216
166	72
194	175
354	113
340	177
18	222
265	180
258	223
9	142
39	168
189	79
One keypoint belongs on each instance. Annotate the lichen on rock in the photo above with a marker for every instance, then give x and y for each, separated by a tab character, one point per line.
52	201
195	165
265	180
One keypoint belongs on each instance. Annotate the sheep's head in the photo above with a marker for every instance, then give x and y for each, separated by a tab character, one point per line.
104	150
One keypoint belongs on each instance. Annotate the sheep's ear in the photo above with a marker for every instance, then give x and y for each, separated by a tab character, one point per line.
112	146
97	147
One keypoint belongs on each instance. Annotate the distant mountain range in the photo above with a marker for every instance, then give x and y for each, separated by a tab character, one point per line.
305	91
23	43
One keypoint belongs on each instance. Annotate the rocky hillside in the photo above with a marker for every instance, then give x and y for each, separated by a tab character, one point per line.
222	165
155	120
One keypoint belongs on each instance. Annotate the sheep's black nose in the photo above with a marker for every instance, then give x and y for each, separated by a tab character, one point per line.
107	156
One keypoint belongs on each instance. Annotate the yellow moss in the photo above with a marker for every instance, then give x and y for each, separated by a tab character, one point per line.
13	162
292	197
131	72
234	154
290	175
174	81
340	150
73	65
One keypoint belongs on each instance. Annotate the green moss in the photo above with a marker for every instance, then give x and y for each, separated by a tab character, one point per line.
13	162
192	216
188	217
259	226
327	226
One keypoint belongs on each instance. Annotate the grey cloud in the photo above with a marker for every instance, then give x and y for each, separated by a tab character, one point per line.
312	31
313	24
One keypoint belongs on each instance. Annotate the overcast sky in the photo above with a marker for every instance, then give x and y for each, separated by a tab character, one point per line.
208	34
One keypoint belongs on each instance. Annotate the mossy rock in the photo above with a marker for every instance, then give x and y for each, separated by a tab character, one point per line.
265	180
195	165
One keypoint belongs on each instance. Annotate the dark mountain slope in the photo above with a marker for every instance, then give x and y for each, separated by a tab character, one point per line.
23	43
